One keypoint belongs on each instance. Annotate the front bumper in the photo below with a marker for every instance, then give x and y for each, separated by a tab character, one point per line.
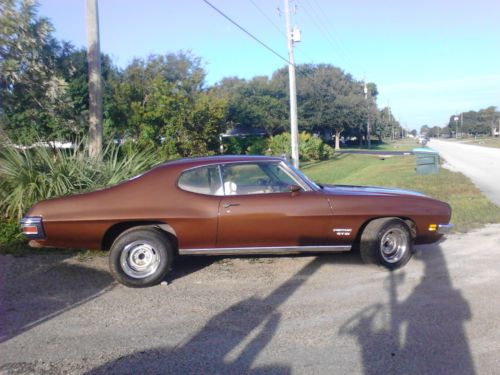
444	228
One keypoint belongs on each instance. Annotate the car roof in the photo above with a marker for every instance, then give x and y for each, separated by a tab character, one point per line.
205	160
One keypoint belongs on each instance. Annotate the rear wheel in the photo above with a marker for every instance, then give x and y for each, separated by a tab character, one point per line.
140	257
386	242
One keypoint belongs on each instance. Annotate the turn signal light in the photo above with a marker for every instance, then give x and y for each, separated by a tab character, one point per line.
433	227
30	230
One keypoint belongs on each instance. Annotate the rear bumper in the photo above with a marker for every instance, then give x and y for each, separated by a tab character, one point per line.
444	228
32	227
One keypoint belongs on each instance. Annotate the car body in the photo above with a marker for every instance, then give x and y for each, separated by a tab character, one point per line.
231	205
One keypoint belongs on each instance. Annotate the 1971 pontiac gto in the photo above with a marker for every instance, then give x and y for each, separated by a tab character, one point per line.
234	205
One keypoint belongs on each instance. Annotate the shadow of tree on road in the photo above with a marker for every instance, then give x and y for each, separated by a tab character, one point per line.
423	334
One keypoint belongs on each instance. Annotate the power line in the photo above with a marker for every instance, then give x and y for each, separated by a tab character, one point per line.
322	14
247	32
326	34
268	19
318	16
278	29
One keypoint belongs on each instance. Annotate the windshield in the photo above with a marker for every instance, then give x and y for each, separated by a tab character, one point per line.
304	178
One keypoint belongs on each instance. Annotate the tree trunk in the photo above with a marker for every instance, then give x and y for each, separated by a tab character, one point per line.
337	139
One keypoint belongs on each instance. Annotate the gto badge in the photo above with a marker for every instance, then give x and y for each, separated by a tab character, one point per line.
342	231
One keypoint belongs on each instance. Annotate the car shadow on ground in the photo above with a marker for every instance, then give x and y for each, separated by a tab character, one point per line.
345	257
36	288
423	333
185	265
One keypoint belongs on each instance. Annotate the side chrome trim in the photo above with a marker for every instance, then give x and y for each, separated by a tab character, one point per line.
264	250
444	228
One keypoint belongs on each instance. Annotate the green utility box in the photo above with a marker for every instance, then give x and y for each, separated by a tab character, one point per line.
427	160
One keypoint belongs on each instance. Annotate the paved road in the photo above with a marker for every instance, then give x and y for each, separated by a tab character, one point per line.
272	315
480	164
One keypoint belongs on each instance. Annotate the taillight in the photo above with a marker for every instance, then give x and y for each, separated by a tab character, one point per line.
32	227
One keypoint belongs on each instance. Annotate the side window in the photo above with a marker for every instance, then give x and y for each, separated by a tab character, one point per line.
281	176
255	178
203	180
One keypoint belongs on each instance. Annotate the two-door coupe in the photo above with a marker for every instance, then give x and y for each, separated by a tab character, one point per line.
233	205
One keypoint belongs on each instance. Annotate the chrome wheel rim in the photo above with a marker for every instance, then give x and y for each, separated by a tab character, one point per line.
393	245
139	260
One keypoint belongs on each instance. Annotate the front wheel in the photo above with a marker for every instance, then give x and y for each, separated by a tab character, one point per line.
386	242
140	257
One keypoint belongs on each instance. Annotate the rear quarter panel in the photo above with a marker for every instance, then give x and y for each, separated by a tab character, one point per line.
80	221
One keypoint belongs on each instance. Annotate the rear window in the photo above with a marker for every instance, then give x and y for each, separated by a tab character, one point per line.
203	180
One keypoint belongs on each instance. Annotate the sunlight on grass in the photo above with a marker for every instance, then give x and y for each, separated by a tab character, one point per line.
484	141
471	209
406	144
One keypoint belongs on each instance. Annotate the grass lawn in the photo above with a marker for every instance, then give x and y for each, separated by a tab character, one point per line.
471	209
406	144
486	141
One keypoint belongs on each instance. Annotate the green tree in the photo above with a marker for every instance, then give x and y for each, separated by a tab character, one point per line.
331	102
162	101
480	122
33	94
256	103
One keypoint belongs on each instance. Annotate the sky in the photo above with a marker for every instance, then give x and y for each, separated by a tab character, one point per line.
429	58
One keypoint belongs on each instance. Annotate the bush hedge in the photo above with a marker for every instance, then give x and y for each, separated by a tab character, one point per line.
30	175
311	147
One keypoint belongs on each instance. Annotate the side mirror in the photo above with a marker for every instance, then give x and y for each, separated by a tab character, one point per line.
295	188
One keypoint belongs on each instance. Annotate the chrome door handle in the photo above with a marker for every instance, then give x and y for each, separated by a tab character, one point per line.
227	205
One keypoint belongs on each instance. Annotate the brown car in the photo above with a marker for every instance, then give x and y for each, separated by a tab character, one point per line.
233	205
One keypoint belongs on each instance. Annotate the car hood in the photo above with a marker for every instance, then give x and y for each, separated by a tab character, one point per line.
369	190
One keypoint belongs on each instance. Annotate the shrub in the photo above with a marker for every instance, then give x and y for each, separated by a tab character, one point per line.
116	166
258	146
311	147
235	146
280	145
9	233
30	175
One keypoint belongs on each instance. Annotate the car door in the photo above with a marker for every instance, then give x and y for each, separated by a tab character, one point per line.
195	220
260	210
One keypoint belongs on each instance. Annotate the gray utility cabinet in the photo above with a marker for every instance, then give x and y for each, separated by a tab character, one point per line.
427	160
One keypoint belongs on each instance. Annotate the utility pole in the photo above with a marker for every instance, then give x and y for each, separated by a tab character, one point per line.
462	123
95	82
294	129
390	122
368	140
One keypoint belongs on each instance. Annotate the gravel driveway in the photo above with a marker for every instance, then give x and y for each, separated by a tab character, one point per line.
272	315
480	164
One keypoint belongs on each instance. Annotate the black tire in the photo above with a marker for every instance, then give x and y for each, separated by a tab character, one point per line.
140	257
386	242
